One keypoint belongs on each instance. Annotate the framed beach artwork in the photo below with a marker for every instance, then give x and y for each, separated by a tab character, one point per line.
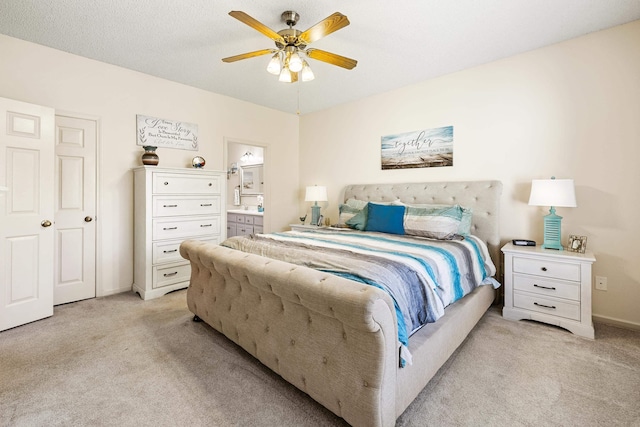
425	148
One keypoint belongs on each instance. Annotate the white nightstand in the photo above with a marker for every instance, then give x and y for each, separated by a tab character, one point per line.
303	227
549	286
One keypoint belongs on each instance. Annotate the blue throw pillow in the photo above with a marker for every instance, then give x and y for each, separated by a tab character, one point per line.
385	218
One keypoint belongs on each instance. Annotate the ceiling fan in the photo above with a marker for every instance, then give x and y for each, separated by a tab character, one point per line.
292	46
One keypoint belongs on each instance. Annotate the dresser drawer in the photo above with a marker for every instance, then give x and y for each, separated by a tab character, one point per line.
547	287
187	205
552	269
166	275
551	306
169	251
258	220
168	183
172	228
232	217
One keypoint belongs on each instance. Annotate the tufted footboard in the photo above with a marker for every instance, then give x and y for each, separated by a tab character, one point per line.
333	338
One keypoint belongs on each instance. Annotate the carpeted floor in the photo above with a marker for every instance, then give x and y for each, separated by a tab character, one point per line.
121	361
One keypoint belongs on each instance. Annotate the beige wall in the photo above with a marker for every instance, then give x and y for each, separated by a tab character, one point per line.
571	110
113	95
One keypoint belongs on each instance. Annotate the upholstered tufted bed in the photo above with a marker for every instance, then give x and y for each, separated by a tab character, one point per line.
337	339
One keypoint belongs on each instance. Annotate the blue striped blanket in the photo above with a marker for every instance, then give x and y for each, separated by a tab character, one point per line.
421	275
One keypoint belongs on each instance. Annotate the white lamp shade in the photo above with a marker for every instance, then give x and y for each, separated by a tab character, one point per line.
316	193
553	192
295	62
307	74
275	66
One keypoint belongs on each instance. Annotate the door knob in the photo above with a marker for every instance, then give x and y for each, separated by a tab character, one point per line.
88	219
46	223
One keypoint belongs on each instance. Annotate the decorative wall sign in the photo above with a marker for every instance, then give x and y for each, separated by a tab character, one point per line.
166	133
420	149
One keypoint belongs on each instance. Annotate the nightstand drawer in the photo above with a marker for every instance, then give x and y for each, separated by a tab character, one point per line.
544	305
542	286
545	268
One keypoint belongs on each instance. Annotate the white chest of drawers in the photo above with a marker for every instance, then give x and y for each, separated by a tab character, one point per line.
549	286
172	205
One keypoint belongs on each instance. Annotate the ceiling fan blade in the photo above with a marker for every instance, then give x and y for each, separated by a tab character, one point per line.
332	58
324	28
256	25
248	55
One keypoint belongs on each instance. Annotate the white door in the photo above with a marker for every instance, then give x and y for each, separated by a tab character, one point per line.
26	212
75	208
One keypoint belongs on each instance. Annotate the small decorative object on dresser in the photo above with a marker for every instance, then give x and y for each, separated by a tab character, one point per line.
198	162
548	286
577	244
149	157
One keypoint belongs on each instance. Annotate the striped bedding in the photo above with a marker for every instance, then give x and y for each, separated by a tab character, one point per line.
421	275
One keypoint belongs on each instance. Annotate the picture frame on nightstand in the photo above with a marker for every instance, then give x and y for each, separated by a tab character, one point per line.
577	244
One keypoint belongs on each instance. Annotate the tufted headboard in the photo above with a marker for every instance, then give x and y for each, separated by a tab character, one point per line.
483	197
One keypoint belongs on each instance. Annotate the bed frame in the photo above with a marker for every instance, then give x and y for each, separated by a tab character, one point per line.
333	338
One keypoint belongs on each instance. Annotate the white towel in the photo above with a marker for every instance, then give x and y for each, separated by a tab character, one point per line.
236	197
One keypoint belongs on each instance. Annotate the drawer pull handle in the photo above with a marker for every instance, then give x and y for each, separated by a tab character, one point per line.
170	228
206	225
205	204
545	287
170	274
544	269
166	183
545	306
210	184
172	250
169	206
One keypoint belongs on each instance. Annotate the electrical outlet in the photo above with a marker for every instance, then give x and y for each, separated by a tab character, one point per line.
601	283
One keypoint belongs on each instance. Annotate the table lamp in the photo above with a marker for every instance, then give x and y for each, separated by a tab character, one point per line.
315	193
553	193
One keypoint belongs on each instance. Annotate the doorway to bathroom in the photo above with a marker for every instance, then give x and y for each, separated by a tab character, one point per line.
247	180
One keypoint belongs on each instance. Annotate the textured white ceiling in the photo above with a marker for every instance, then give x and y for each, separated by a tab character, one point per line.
396	43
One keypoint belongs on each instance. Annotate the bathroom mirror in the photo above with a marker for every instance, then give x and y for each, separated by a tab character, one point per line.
251	180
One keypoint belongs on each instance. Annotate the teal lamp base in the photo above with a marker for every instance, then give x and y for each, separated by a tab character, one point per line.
552	231
315	214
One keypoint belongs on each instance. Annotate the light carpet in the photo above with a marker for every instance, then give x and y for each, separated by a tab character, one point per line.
121	361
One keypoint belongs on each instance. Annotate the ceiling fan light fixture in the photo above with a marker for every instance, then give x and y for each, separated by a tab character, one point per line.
295	62
292	46
275	65
307	74
285	75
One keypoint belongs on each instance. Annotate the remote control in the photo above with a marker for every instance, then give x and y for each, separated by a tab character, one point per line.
523	242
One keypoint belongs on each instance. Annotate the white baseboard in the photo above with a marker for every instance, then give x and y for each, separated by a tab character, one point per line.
616	322
107	292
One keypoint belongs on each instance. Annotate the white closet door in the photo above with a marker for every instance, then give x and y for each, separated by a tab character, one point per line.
75	208
26	212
